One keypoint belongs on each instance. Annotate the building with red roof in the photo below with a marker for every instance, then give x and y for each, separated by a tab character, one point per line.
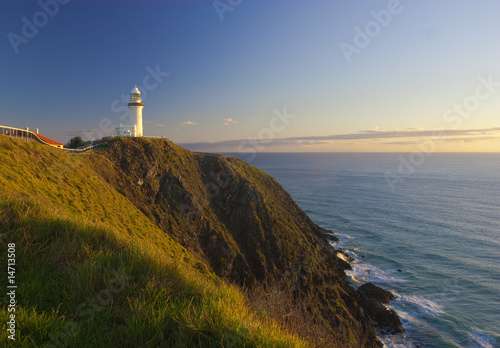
29	135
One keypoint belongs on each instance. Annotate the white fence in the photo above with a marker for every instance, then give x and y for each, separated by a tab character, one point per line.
29	135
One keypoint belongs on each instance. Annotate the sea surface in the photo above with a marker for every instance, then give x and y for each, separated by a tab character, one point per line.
427	228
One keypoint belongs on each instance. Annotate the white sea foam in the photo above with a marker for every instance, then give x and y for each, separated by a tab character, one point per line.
396	341
342	239
401	340
407	320
364	272
420	303
481	339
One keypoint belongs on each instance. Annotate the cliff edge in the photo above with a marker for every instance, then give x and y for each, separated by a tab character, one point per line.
208	219
244	225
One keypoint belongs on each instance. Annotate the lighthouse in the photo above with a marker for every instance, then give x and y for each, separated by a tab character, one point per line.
134	127
135	106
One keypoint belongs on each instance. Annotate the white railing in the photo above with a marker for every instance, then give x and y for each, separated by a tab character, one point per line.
83	150
28	134
154	137
15	132
23	134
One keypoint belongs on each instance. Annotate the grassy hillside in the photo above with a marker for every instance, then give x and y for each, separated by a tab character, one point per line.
146	244
93	271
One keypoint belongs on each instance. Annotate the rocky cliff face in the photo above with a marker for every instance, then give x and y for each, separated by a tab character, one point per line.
245	227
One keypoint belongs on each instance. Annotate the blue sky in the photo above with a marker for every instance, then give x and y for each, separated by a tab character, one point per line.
313	75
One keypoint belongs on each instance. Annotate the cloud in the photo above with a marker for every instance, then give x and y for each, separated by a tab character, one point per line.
404	133
147	121
469	139
405	136
160	125
189	123
228	121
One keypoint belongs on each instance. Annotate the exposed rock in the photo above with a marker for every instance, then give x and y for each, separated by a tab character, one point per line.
345	256
372	299
382	316
375	293
345	265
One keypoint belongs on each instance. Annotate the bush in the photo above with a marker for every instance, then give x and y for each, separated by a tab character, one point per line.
75	142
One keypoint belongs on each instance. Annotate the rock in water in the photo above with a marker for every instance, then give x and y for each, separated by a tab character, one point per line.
372	298
375	293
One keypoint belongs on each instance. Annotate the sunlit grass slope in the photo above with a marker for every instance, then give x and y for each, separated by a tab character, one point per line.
93	271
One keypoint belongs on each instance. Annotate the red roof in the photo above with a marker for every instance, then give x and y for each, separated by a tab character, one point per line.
49	141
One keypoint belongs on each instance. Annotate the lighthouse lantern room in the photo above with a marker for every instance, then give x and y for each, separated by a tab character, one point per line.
134	127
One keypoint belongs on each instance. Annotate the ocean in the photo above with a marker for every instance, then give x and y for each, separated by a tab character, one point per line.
426	228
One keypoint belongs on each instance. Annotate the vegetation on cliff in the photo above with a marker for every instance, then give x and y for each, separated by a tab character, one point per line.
144	243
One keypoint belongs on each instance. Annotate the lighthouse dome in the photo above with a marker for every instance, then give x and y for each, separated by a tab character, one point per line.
135	95
135	90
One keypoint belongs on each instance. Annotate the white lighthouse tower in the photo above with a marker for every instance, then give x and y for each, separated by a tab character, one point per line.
135	106
134	128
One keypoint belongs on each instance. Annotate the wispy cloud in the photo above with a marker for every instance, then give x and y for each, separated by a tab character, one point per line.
160	125
404	133
228	121
188	123
467	139
405	136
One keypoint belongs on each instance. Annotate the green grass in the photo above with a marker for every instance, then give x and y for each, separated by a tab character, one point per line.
93	271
